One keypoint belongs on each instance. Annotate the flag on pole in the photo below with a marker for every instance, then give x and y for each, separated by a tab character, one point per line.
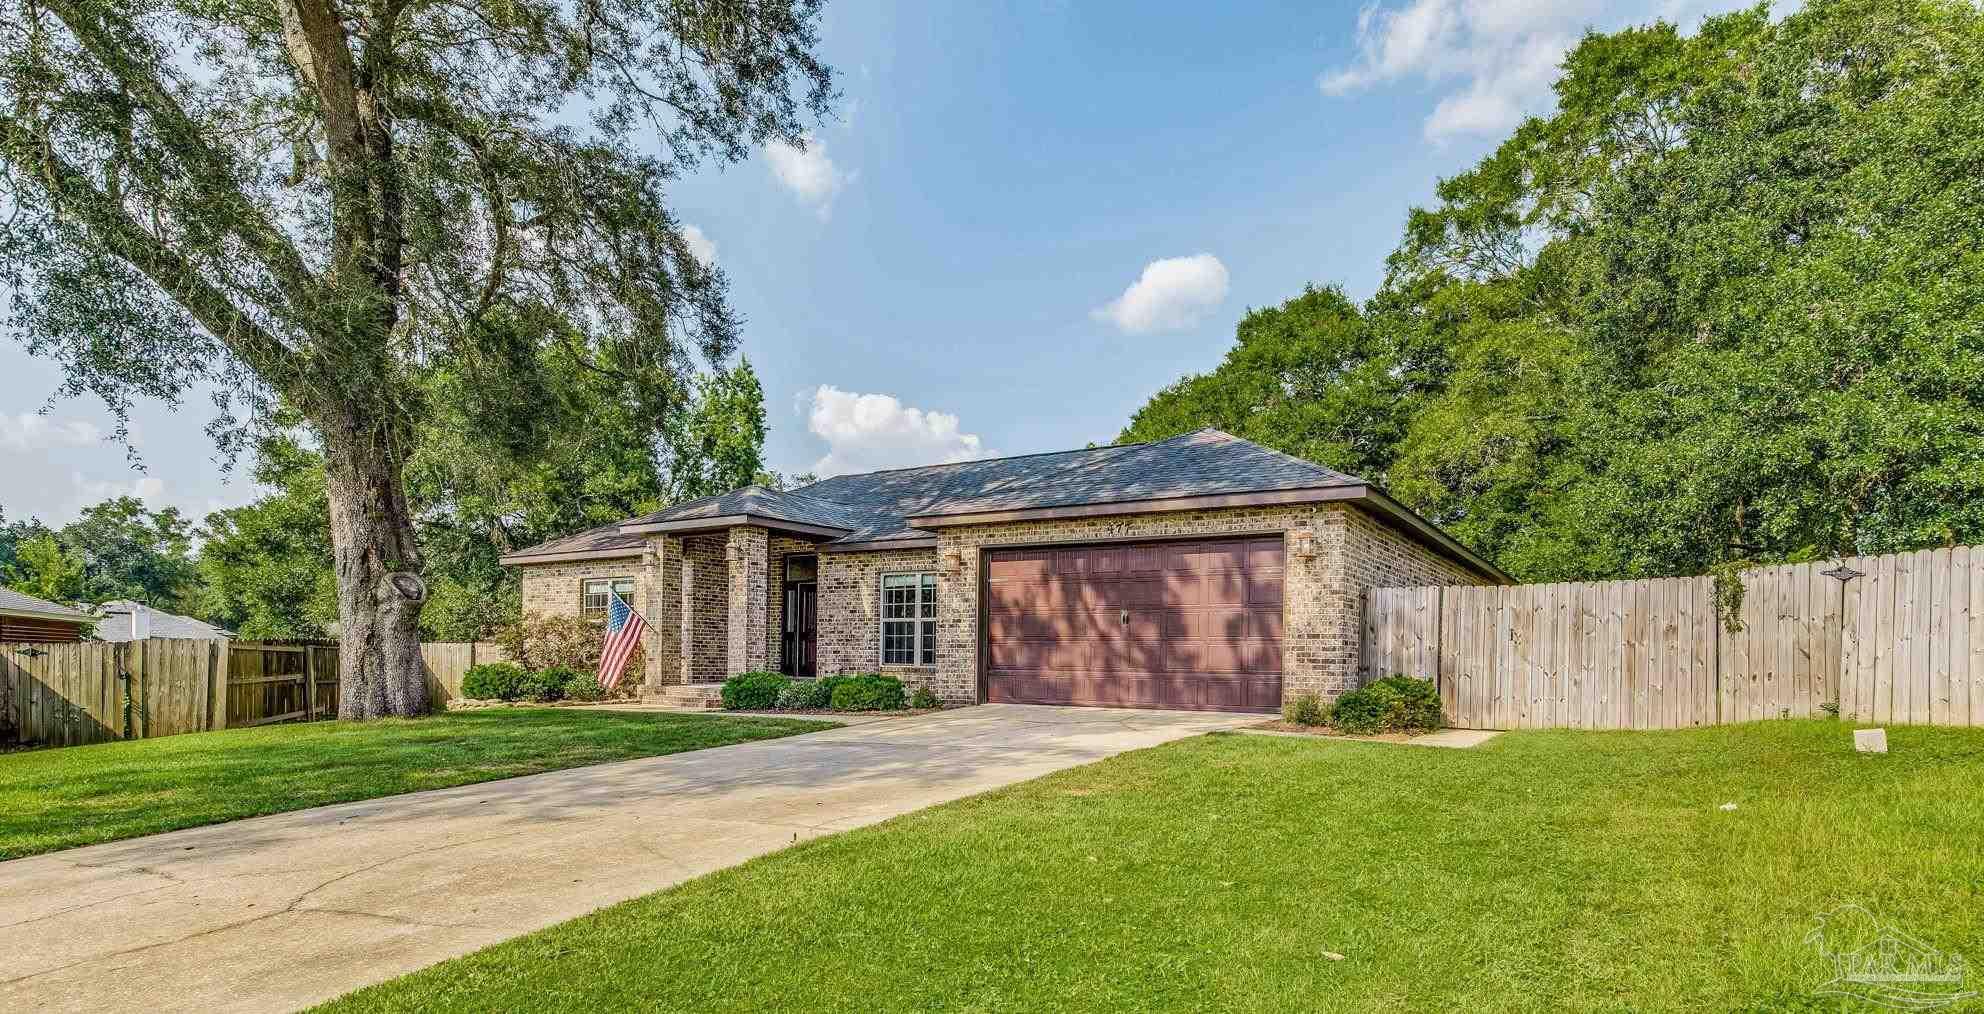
623	632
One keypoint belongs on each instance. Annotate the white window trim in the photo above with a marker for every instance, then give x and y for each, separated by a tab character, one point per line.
882	621
611	581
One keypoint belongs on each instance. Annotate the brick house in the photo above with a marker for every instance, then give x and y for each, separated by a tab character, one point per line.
1202	572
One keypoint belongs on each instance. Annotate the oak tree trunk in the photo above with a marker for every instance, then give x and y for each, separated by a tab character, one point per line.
380	590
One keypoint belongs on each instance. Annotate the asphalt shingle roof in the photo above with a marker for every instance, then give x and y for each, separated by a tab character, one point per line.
605	538
877	506
116	623
15	602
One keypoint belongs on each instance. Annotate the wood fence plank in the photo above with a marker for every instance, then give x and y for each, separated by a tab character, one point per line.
1959	636
1922	652
1940	599
1976	636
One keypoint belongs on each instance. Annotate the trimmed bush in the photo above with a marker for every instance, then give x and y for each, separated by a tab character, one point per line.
804	695
754	691
545	685
1392	704
574	685
494	681
923	698
872	692
1303	709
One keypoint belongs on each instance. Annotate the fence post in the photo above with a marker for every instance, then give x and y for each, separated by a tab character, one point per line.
309	683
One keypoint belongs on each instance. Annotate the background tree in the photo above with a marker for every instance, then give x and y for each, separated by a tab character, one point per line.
42	569
1725	304
719	443
325	201
267	568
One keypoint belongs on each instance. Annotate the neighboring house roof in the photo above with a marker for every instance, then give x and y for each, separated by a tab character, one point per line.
13	603
128	620
1205	468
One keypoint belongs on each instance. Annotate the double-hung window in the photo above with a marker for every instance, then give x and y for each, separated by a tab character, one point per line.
909	619
594	594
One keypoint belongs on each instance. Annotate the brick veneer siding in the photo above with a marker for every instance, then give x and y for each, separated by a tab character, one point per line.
704	615
851	612
1322	598
747	552
555	589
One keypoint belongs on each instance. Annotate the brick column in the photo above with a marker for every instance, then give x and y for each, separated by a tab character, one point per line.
748	557
661	576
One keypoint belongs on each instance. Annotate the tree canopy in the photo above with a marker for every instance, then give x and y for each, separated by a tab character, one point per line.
383	215
1725	304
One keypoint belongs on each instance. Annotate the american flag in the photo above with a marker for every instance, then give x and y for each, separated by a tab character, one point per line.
623	632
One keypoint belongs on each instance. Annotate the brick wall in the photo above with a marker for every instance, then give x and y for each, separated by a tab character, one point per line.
747	552
851	612
552	589
705	610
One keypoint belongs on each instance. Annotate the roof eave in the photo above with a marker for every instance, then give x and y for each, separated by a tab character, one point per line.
515	559
36	614
719	522
1432	533
876	545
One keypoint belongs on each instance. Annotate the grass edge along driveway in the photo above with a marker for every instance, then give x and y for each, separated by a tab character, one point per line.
86	795
1591	871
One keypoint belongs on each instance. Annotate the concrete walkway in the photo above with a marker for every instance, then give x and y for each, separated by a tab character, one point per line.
275	913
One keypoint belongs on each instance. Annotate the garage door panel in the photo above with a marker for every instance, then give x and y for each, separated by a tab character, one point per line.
1169	625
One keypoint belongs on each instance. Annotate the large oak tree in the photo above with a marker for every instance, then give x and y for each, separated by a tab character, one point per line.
319	203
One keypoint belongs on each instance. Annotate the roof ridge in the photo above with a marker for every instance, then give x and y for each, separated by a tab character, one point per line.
974	461
1278	453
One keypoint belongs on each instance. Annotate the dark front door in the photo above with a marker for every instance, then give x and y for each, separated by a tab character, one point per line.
1193	625
800	629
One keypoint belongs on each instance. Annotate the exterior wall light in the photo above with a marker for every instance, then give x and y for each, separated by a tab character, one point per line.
1302	543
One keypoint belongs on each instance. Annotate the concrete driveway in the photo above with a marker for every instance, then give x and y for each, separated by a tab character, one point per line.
279	912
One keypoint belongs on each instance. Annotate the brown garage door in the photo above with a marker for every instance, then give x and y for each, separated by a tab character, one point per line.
1193	625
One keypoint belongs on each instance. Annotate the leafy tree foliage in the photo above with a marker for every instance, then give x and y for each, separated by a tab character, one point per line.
117	549
343	206
1726	303
719	443
267	567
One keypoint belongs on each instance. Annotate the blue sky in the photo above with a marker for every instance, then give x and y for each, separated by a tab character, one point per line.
1025	219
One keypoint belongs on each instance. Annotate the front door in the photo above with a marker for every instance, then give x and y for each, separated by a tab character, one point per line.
799	633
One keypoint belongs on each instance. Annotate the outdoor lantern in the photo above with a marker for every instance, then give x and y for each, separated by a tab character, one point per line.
954	559
1303	543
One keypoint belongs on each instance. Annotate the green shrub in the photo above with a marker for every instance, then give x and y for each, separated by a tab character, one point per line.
923	698
754	691
577	686
1303	709
871	692
804	695
493	681
1392	704
545	685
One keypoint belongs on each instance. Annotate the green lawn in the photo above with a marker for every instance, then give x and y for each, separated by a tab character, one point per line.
1592	871
57	799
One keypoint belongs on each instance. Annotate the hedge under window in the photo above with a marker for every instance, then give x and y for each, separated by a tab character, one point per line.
909	619
593	597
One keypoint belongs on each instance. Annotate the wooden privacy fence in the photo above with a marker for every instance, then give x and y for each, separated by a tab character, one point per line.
95	691
1897	638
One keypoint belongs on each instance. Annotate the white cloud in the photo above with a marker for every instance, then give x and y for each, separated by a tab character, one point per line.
1172	293
1493	59
149	488
700	244
865	432
32	432
808	172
